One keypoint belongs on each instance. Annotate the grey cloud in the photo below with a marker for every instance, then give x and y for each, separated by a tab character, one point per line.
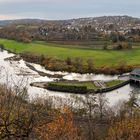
58	9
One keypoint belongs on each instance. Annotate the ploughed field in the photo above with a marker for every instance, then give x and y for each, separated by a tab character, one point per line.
100	57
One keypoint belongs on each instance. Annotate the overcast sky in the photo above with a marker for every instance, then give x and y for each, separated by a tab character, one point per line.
66	9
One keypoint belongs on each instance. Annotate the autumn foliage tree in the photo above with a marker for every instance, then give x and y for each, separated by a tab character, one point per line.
127	129
61	127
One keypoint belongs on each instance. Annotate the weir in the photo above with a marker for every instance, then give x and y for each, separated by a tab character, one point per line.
135	75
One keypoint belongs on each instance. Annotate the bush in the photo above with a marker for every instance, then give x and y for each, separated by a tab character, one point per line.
122	46
67	88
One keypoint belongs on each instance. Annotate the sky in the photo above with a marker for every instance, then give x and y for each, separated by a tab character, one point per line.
67	9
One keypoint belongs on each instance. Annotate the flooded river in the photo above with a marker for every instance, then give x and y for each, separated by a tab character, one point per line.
17	73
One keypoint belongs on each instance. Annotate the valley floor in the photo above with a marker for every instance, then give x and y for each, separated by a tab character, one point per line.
108	58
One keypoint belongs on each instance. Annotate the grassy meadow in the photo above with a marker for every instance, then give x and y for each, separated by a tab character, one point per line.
100	57
90	85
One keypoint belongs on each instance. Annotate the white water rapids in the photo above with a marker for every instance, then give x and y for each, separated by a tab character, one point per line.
17	73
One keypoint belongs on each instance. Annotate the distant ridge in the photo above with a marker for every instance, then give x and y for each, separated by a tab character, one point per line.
103	20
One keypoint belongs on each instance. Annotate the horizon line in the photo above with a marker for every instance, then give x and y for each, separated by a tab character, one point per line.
84	17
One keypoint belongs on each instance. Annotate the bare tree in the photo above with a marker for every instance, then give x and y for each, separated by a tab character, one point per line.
102	105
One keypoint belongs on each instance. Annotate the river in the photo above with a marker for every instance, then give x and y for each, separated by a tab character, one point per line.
17	73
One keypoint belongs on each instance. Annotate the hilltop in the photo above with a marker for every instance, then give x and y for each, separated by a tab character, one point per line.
122	21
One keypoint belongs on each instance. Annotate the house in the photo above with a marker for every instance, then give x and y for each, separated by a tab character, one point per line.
135	75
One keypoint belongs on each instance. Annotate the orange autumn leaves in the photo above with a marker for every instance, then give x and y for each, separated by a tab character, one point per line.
127	129
62	127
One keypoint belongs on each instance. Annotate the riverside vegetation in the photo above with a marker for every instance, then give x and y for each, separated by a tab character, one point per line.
75	58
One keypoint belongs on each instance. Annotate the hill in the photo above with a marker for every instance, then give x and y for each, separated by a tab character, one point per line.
96	28
122	21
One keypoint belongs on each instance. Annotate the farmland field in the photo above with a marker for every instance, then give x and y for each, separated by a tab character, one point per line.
100	57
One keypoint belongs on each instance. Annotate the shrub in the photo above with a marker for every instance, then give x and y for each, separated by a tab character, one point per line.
122	46
67	88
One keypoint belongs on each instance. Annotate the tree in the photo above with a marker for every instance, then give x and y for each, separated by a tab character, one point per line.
127	129
128	126
122	46
69	61
114	37
78	64
18	117
90	65
132	103
90	105
1	47
61	127
102	106
42	58
105	46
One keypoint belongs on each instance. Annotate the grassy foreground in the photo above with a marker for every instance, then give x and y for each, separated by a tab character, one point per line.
100	57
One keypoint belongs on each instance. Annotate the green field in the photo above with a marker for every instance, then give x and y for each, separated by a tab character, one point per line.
113	83
100	57
88	84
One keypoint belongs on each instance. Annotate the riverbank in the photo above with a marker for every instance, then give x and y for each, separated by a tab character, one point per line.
18	58
76	65
56	57
43	73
